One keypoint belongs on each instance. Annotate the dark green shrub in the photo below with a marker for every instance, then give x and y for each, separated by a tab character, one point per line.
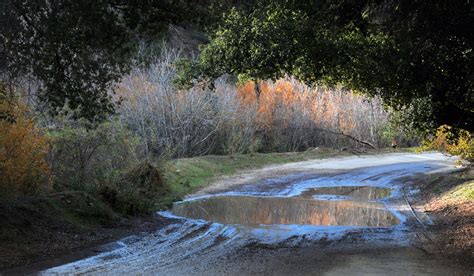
87	157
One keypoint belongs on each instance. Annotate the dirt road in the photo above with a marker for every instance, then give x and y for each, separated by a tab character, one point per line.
340	216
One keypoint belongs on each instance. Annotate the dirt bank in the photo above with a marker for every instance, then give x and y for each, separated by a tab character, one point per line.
449	200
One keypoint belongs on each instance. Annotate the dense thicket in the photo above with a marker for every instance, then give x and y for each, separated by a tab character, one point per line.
288	115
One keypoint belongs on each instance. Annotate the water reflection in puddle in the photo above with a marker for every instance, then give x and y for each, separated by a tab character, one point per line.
356	193
354	207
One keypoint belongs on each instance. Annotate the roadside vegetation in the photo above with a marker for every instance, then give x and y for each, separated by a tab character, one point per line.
457	142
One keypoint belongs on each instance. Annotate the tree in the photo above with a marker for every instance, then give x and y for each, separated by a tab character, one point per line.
411	53
79	49
23	151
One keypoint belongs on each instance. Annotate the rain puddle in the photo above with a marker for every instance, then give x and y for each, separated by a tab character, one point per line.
326	206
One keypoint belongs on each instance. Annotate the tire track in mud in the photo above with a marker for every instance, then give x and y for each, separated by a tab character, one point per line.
169	246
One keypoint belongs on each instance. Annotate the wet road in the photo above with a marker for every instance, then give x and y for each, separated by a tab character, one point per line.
340	216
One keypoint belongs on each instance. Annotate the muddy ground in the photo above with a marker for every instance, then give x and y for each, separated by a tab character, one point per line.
43	232
432	237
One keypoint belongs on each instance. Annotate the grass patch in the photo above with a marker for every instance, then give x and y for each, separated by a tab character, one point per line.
187	175
449	189
462	192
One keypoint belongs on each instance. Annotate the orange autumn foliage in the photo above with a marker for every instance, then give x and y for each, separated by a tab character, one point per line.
23	150
326	108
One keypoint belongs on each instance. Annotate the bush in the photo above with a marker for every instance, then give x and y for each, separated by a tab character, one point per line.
103	159
139	190
87	157
452	141
23	150
400	128
464	146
